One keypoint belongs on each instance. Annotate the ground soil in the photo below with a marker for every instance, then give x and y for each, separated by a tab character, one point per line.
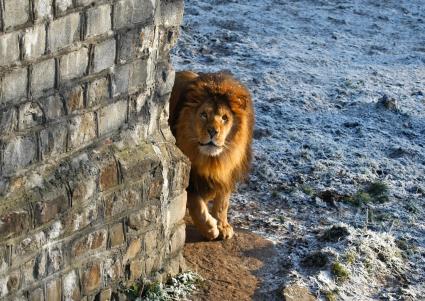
230	268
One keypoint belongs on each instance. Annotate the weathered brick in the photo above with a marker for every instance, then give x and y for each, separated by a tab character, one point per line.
8	120
30	115
42	9
128	12
177	209
144	217
136	43
137	269
121	79
62	6
47	210
93	241
133	250
74	99
104	55
71	287
81	218
116	235
134	163
164	78
53	290
83	190
169	13
98	20
34	269
52	107
28	245
150	241
108	177
53	140
36	294
74	64
84	2
55	259
64	31
4	259
92	278
177	239
34	42
9	49
116	203
16	12
14	222
12	282
98	92
14	85
141	73
105	295
113	268
18	153
82	129
112	117
43	77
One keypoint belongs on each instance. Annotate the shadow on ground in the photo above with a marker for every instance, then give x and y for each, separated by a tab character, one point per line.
231	268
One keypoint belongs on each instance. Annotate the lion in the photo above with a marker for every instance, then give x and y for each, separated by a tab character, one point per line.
212	118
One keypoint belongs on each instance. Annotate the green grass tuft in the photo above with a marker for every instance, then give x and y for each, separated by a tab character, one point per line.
340	272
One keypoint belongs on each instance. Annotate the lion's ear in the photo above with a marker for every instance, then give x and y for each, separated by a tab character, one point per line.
242	101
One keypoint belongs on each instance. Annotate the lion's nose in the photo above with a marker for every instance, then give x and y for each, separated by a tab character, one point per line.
212	132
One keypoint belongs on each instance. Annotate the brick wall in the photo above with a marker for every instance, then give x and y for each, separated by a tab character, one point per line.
92	188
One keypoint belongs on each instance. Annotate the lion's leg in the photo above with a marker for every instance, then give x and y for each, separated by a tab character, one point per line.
219	211
202	219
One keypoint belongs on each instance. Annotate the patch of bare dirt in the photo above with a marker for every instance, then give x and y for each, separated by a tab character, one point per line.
230	268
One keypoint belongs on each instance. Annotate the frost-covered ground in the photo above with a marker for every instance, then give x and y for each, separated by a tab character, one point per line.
317	70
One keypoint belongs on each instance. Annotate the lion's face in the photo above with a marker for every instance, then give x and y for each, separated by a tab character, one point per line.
212	124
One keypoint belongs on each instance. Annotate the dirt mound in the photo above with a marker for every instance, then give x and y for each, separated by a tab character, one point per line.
230	268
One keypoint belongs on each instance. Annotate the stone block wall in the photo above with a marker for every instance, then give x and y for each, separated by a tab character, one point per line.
92	188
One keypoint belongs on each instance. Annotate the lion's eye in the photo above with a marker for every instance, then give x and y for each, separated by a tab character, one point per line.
204	115
224	118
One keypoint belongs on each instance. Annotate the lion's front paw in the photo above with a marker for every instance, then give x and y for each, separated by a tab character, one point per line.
226	231
210	230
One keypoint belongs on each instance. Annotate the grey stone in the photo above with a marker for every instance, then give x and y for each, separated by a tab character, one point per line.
8	120
74	64
71	286
177	209
104	55
141	73
16	12
98	20
98	92
82	129
112	117
74	99
121	79
63	5
170	13
52	107
30	115
127	12
14	85
84	2
177	240
9	49
34	42
18	153
64	31
53	140
43	9
43	77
